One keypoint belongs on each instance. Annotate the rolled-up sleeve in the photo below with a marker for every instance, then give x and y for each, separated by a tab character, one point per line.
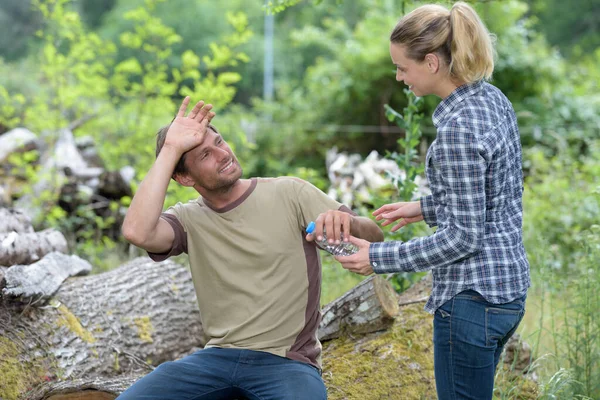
428	210
462	165
179	241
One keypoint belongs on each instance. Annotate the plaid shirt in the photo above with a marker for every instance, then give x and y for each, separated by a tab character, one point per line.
474	169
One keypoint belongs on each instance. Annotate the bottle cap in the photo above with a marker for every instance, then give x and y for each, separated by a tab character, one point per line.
311	227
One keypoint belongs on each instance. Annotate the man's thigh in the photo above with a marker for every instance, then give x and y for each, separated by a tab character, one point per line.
266	376
206	374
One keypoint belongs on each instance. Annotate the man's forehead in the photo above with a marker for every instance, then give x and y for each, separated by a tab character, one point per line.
211	135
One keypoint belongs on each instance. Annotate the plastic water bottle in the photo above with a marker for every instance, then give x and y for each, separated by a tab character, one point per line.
342	249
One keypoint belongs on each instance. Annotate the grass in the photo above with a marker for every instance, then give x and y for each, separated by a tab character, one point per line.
336	280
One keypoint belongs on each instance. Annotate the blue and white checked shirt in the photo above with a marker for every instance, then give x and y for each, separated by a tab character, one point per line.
474	168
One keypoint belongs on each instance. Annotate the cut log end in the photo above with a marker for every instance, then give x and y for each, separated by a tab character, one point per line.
369	307
84	389
387	297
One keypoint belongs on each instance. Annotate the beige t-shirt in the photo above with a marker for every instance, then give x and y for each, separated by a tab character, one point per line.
258	281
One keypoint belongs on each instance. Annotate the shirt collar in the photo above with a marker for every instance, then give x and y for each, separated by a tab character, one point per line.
450	102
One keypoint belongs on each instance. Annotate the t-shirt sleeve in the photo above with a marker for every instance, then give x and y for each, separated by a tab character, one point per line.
180	241
312	202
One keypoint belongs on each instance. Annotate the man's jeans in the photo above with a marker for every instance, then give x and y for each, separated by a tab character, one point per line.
221	374
468	336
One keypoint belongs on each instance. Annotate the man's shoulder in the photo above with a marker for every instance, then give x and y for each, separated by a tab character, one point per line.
190	205
283	183
282	180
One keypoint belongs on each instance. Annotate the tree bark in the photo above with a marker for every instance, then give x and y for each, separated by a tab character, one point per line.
121	321
39	281
26	248
370	306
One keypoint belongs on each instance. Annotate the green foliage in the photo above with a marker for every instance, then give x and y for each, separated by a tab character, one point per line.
9	107
18	27
73	64
579	338
126	101
336	280
557	102
571	322
556	17
408	161
559	198
277	6
562	239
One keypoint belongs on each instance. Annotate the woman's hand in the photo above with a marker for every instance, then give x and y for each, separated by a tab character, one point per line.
406	212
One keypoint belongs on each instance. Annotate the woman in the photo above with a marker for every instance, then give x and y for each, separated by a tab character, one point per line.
480	270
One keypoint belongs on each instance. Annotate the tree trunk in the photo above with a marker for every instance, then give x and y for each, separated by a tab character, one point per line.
368	307
26	248
141	314
102	325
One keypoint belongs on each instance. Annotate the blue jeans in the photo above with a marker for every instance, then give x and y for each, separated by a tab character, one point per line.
222	374
469	334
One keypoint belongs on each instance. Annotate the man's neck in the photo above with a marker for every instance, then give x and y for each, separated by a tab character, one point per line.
221	198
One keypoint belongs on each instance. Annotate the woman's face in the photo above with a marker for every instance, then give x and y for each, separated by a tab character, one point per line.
416	75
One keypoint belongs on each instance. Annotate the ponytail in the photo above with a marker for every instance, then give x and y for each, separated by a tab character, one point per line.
471	45
458	36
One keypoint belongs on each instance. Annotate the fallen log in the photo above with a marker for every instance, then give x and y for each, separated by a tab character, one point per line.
136	316
370	306
100	326
26	248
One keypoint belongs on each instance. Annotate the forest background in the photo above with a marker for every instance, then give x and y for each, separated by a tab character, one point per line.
291	80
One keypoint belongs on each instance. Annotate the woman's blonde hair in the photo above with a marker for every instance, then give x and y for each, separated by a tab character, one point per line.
457	35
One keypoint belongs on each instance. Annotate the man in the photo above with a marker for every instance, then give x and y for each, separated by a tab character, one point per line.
257	276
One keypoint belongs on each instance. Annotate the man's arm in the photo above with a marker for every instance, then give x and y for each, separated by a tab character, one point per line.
335	222
364	228
143	226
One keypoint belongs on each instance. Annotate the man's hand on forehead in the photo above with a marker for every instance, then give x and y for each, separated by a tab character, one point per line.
185	133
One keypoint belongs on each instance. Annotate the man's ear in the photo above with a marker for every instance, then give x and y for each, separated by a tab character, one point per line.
432	61
184	180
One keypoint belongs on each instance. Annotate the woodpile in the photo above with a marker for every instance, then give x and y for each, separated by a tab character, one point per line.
69	173
19	244
354	180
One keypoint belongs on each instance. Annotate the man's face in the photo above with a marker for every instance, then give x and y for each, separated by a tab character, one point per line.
212	165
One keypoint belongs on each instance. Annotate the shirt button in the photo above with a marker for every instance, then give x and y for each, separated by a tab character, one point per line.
374	264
